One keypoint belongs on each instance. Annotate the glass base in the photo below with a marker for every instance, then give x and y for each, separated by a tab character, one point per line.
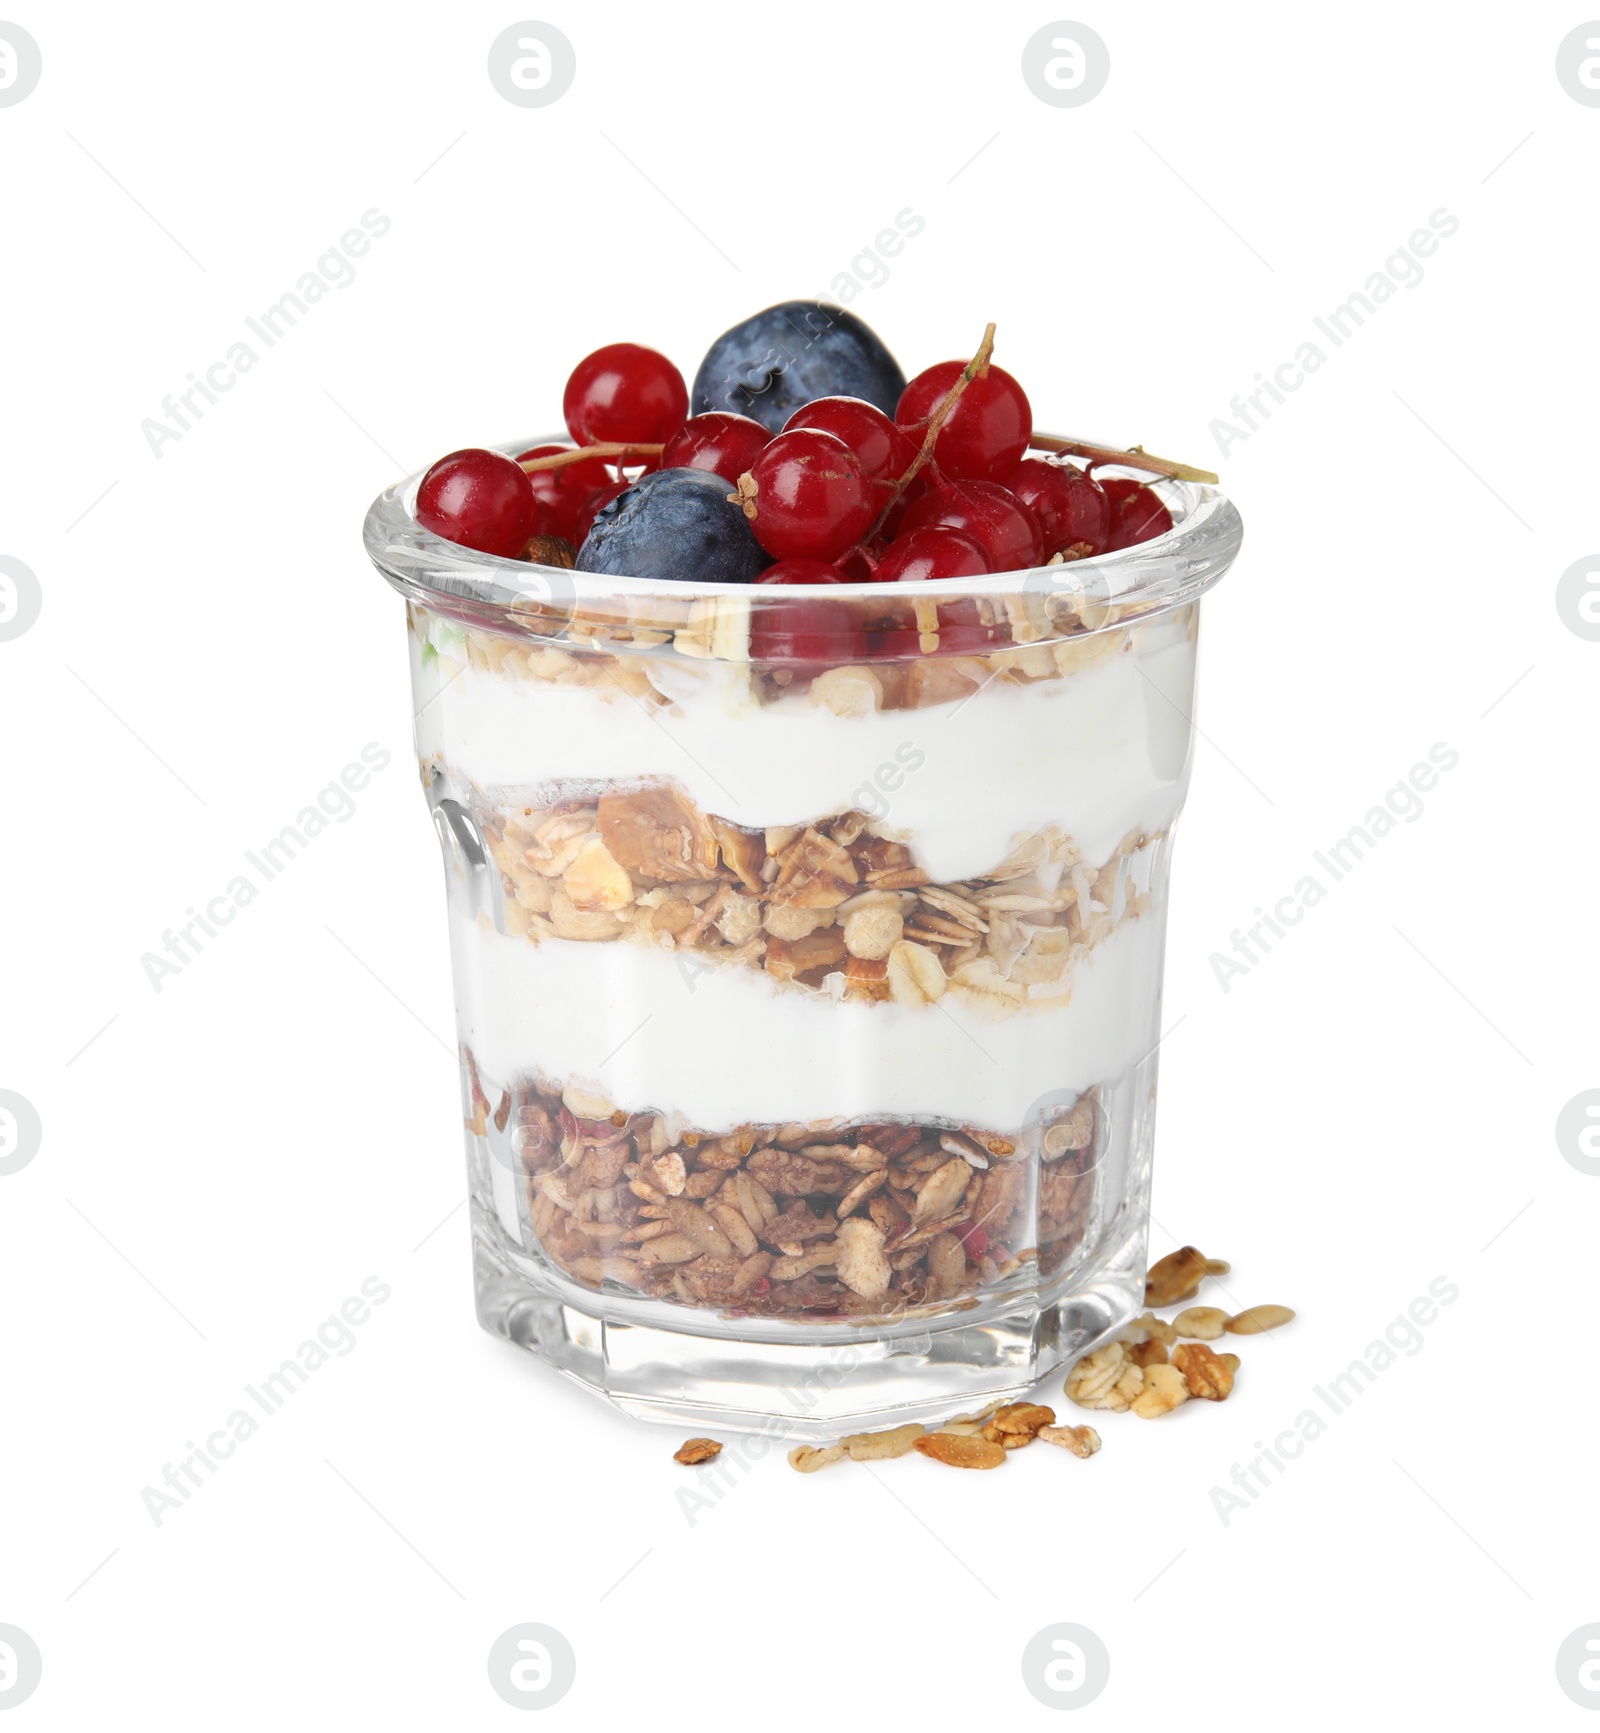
800	1381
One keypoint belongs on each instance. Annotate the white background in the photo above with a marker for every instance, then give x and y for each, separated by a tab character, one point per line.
1371	1107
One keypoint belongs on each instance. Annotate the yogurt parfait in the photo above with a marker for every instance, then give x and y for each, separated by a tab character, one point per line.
805	747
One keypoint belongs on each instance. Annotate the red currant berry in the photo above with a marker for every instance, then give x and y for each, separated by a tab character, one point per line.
1137	514
986	432
562	492
812	496
1001	525
626	393
801	572
1088	513
479	499
1071	507
884	450
806	636
583	520
919	555
725	444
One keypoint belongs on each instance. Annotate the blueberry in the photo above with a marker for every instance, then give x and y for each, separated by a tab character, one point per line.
790	355
674	523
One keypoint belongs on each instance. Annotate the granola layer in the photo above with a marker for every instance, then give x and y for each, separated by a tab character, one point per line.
861	1220
833	907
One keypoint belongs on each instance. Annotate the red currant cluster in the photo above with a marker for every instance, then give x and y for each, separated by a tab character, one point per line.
841	493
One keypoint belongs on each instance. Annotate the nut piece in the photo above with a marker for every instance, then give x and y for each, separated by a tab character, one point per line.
1231	1361
1203	1372
1176	1277
958	1452
860	1262
806	1460
1205	1323
694	1450
872	932
1107	1378
881	1446
1257	1319
1164	1390
1082	1441
1151	1353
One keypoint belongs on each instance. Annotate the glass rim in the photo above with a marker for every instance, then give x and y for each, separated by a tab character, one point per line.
1150	577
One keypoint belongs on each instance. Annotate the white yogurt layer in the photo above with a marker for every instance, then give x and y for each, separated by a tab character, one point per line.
653	1029
1095	753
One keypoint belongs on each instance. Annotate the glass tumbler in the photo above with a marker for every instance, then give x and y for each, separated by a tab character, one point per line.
807	964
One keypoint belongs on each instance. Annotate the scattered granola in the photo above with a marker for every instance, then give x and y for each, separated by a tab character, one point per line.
1146	1370
694	1450
967	1441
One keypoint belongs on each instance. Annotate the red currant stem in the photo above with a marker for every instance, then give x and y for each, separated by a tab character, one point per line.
974	368
608	449
1135	457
